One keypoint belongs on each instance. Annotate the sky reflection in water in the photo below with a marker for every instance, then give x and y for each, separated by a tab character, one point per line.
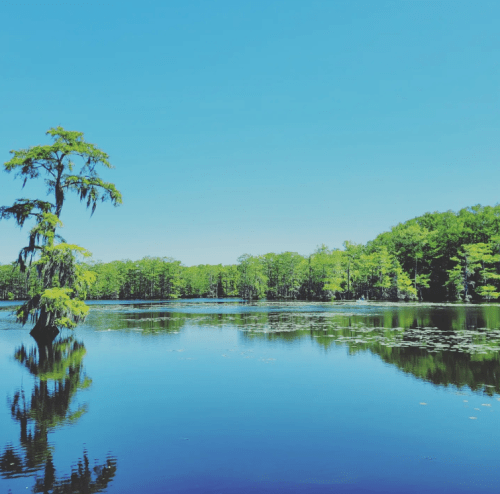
209	396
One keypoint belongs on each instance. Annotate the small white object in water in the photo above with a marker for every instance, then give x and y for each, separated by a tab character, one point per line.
485	405
423	403
473	418
466	401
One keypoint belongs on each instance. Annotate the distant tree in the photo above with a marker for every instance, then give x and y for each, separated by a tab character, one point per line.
352	254
410	242
404	289
385	265
286	273
59	300
252	280
201	280
228	277
474	272
335	278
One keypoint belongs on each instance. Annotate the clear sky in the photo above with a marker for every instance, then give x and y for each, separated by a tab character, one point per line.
255	126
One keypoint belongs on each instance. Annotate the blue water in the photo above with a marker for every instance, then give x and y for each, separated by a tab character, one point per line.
219	398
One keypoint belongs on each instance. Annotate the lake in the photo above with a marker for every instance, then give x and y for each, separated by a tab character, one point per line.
226	396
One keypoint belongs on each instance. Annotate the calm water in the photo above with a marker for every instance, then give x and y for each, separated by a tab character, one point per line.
230	397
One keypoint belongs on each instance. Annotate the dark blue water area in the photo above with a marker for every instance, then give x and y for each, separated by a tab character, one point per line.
207	406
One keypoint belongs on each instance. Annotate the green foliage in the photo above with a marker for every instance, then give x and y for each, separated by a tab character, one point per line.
324	273
67	311
333	270
285	273
431	249
252	281
202	280
15	285
56	300
488	292
403	284
474	269
65	283
55	161
437	256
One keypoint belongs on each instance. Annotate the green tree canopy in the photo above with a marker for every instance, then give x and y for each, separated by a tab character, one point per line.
59	300
56	163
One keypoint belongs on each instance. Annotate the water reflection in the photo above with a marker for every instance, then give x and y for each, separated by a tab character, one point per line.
432	347
445	345
83	479
59	375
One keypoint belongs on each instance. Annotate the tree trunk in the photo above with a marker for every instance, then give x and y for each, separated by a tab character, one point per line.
44	332
415	273
349	281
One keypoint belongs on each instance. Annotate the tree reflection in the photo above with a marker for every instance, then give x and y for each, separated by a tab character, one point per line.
59	371
83	479
59	374
442	347
447	368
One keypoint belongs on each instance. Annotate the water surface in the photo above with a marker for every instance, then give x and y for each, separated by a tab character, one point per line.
225	396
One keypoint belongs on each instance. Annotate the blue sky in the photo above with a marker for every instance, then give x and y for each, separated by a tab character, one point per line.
255	126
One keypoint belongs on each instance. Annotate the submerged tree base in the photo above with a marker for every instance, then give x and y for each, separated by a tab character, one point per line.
44	335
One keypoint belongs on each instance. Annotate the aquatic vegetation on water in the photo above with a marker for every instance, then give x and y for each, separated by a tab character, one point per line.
446	344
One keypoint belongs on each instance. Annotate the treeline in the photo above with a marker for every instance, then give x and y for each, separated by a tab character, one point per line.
435	257
14	285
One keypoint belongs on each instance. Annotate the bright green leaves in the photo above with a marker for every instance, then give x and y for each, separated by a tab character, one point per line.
44	230
381	276
162	278
285	273
42	234
324	273
58	266
202	280
67	311
488	292
328	265
252	282
63	282
430	248
92	190
56	163
70	142
403	284
423	281
412	245
474	269
385	265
